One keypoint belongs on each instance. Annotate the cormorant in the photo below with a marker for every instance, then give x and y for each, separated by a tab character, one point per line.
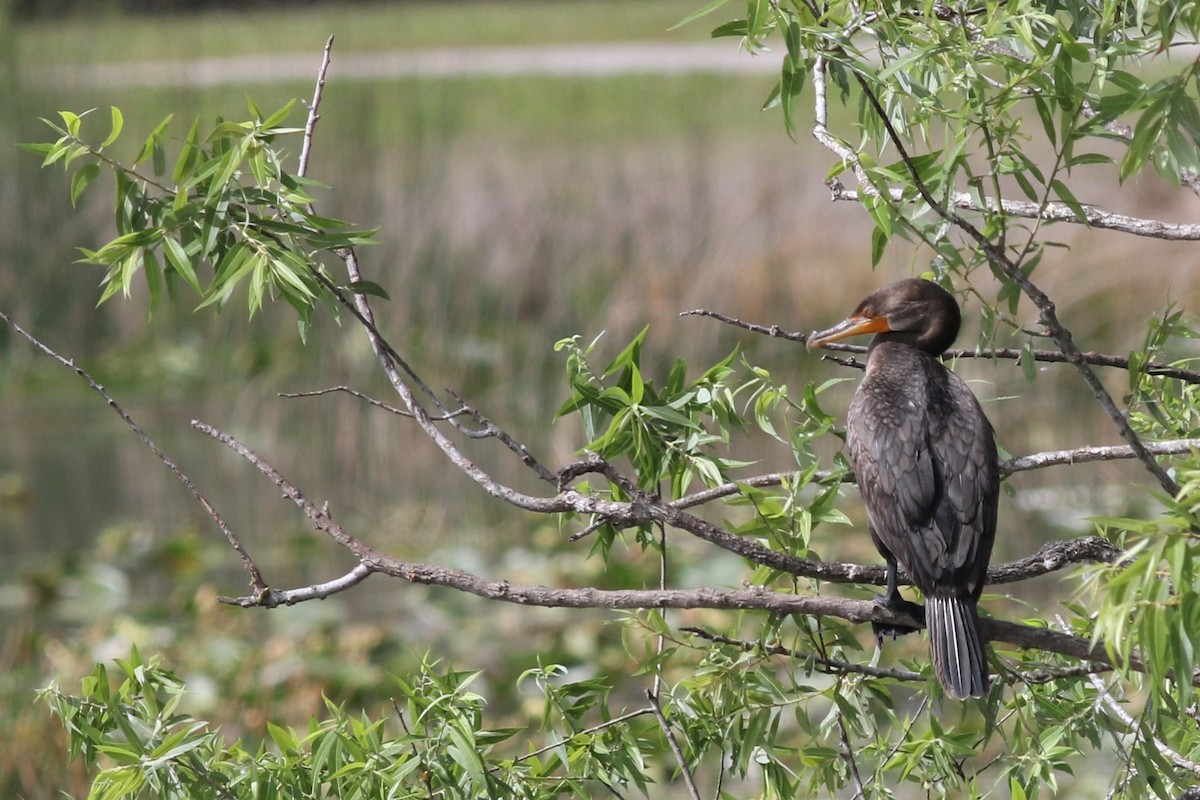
925	458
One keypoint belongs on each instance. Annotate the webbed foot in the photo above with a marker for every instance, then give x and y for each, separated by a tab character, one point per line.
894	602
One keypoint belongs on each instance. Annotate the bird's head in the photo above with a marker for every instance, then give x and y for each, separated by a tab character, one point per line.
914	311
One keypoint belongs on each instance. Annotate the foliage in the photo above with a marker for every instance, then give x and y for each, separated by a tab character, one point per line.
129	726
956	111
207	216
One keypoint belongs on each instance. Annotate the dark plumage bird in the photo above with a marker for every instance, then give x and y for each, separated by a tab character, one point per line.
925	458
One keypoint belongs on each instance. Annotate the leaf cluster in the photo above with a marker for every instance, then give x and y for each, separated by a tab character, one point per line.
226	214
128	725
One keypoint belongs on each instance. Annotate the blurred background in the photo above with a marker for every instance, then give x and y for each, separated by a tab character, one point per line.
537	170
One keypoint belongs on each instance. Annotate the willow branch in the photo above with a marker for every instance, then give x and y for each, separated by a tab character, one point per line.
855	611
1006	353
1010	466
831	666
673	742
1048	315
1094	216
313	115
256	579
372	561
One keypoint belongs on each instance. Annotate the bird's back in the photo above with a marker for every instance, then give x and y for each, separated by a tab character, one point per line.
925	457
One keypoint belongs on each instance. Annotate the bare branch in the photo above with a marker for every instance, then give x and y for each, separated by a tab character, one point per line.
955	353
1048	458
1081	455
270	598
855	611
1129	722
320	518
1094	216
313	107
669	732
388	407
832	666
256	579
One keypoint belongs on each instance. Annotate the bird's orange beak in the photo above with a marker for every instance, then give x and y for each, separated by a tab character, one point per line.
853	325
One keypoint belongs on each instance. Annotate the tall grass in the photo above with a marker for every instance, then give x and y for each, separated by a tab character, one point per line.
362	27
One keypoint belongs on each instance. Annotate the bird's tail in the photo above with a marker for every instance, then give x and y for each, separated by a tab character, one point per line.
956	646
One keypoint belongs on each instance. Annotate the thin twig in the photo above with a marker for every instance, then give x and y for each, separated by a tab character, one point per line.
900	740
319	517
1129	722
955	353
859	789
311	123
638	712
1051	674
388	407
256	578
669	732
832	666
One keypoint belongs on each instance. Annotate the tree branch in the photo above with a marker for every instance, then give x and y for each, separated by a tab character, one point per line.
673	742
1048	458
256	579
955	353
1047	312
311	123
1094	216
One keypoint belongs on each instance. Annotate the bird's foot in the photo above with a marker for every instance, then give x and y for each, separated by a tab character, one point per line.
898	604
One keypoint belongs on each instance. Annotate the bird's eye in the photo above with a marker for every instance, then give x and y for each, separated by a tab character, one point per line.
867	311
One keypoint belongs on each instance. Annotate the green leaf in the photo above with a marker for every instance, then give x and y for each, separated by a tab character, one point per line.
737	27
118	122
1065	195
177	257
279	116
153	275
80	180
153	141
72	121
189	154
879	242
368	288
695	15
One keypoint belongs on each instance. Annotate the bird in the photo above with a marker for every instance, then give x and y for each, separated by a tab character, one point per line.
924	456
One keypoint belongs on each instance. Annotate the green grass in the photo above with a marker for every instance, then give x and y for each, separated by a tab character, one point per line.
360	28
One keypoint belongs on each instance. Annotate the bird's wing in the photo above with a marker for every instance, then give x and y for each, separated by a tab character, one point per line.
925	481
965	517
